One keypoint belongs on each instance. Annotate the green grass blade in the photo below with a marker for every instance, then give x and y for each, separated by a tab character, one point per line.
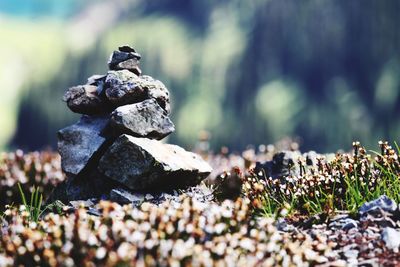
44	209
36	199
397	147
31	203
38	208
22	195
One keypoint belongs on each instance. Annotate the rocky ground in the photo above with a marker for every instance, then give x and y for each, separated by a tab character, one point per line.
222	221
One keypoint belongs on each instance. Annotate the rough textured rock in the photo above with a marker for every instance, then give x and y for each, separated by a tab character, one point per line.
88	186
78	143
124	87
118	57
343	222
123	196
125	58
199	192
158	91
96	79
228	186
282	164
383	202
129	49
145	164
86	99
285	163
144	119
131	65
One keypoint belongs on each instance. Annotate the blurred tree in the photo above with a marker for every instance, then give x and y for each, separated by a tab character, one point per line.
249	73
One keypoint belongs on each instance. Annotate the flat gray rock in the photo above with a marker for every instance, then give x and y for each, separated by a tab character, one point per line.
383	202
123	196
145	164
124	87
119	56
144	119
85	99
131	65
79	142
120	60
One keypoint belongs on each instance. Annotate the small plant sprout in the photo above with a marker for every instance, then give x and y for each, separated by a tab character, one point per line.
34	207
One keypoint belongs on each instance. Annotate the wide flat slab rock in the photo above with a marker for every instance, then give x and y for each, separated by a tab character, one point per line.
124	87
144	119
145	164
79	142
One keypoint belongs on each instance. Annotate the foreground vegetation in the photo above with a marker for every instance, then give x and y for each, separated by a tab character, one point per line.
344	183
241	231
191	233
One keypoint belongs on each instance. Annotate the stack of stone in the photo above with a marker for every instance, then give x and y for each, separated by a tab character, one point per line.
113	152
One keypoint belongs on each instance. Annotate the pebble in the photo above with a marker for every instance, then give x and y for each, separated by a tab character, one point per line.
383	202
391	237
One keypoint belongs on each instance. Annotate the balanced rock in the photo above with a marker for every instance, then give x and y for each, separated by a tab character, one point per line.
124	87
125	58
96	79
131	65
158	91
143	119
78	143
85	99
145	164
129	49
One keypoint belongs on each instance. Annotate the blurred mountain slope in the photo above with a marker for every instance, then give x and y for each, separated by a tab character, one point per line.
20	68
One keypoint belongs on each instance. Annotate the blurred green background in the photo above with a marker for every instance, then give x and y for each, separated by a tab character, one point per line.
248	72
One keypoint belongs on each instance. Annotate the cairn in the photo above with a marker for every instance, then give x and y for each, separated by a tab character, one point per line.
114	151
